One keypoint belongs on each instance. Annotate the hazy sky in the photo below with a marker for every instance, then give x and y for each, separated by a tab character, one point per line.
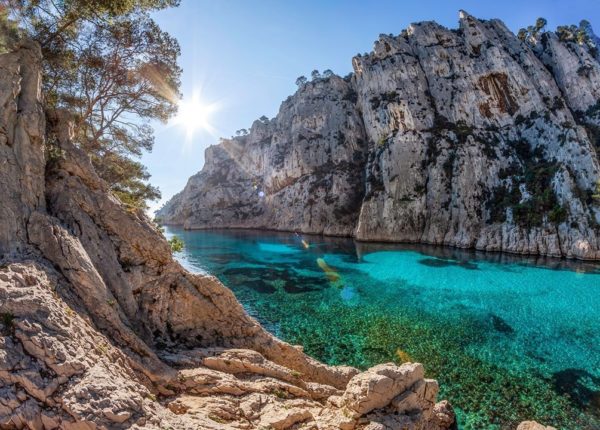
246	55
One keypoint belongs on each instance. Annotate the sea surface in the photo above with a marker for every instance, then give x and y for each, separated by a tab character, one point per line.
509	338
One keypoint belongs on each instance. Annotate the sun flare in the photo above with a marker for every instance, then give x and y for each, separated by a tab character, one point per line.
195	115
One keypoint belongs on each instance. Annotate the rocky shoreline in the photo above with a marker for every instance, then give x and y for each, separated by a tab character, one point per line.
100	328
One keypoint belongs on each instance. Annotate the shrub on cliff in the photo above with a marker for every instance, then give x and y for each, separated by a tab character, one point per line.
9	31
301	80
532	30
176	244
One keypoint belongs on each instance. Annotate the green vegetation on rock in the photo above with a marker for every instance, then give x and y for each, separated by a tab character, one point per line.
538	200
176	244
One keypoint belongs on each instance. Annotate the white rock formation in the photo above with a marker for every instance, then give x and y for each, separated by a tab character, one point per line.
467	137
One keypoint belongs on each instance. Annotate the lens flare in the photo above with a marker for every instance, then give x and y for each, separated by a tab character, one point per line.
195	115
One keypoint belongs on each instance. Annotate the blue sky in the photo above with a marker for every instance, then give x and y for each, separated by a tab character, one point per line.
246	55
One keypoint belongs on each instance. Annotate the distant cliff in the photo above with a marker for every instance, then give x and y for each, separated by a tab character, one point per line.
469	137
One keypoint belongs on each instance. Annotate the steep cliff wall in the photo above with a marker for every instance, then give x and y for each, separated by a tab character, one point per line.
101	329
468	137
307	162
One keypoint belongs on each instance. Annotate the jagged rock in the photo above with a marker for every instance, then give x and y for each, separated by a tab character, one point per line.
467	137
378	386
101	328
22	127
444	414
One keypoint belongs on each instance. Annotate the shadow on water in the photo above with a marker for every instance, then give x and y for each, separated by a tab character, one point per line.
439	262
582	388
465	257
436	255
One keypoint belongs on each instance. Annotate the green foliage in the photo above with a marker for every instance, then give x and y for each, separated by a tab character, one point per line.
382	140
127	179
301	80
54	153
279	393
536	174
502	198
375	102
176	244
448	165
351	96
532	30
462	131
540	24
596	195
9	31
216	419
582	35
558	214
110	64
7	320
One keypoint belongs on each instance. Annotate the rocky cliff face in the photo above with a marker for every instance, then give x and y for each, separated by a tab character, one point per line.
468	137
101	329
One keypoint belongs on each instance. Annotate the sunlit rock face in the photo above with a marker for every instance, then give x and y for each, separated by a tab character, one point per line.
299	171
466	137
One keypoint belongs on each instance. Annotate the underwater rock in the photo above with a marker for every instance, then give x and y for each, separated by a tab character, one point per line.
532	425
501	325
437	262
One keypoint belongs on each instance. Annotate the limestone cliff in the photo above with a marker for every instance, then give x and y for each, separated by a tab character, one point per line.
467	137
101	329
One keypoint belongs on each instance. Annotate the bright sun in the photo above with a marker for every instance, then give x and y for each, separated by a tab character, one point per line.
194	115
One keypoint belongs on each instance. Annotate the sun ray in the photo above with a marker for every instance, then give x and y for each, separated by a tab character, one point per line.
195	115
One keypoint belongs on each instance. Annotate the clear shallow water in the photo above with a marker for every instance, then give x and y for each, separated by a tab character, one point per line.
509	338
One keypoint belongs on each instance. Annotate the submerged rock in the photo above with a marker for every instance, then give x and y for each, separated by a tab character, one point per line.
101	328
468	137
532	425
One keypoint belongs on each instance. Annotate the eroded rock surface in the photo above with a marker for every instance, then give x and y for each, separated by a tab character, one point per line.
101	329
468	137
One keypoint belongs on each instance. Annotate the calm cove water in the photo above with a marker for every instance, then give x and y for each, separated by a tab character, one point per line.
509	338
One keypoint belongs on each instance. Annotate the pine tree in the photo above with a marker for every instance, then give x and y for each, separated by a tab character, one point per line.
110	64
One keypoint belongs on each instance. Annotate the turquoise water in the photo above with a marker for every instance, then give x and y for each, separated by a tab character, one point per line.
509	338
